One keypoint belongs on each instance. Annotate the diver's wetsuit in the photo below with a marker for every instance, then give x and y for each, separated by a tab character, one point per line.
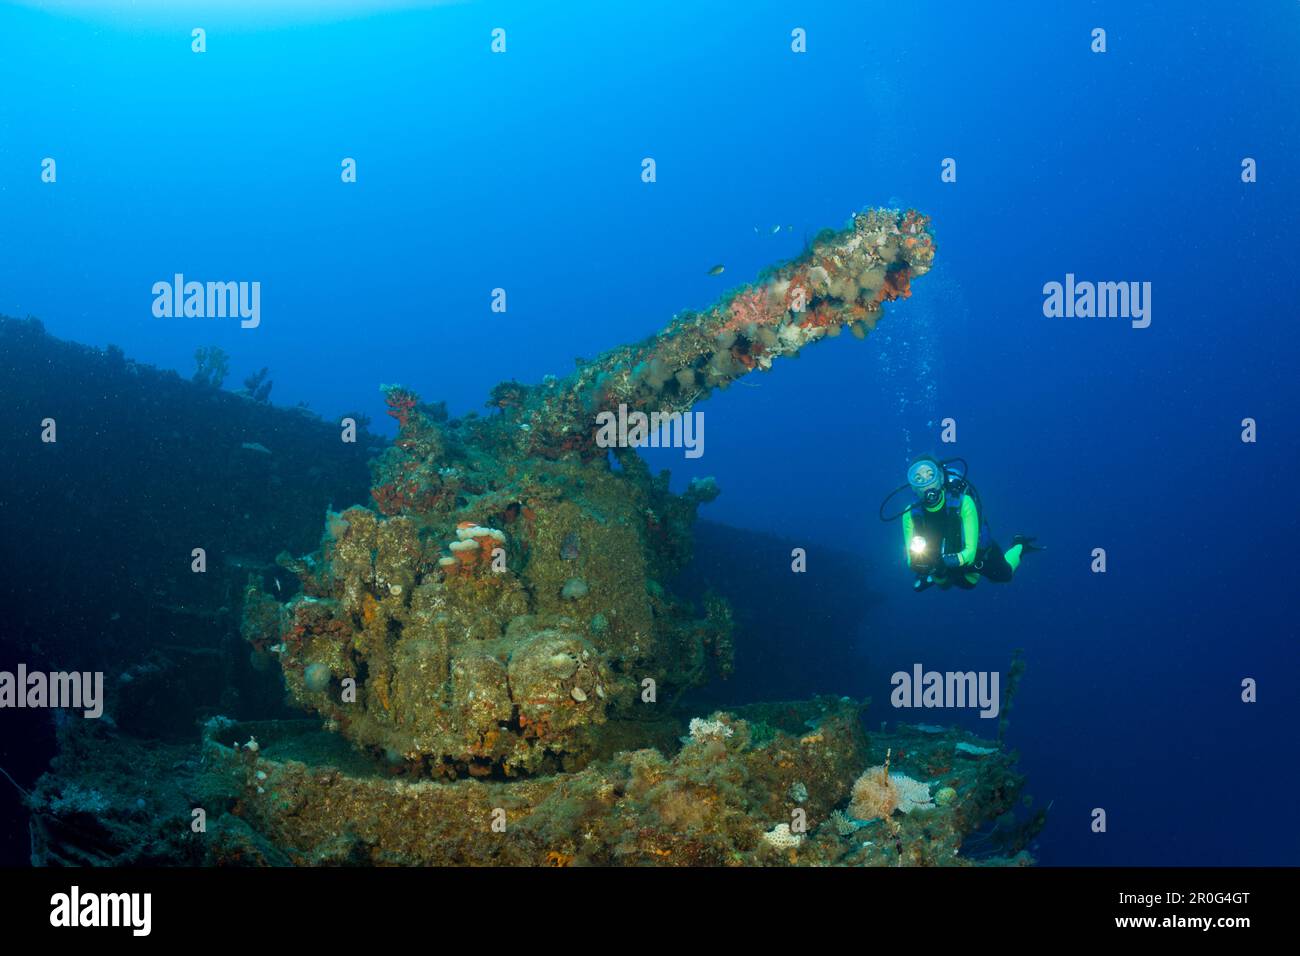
956	528
995	565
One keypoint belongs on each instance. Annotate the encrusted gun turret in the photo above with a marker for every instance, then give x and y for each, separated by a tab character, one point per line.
501	608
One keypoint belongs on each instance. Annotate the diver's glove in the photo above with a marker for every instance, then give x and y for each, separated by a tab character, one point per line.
952	561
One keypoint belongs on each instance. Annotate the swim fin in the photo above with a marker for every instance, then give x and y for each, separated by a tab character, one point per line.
1026	543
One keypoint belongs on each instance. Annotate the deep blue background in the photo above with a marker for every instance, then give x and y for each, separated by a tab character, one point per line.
522	171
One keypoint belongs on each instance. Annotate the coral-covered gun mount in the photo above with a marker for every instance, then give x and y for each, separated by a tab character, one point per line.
284	793
501	609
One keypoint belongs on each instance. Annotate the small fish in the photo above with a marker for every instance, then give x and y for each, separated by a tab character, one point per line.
717	270
775	230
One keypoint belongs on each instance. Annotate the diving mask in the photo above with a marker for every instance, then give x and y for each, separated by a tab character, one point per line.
926	477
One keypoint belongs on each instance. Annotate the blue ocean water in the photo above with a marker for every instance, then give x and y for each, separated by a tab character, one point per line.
522	171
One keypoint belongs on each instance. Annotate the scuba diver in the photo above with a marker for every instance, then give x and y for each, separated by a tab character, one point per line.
945	531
